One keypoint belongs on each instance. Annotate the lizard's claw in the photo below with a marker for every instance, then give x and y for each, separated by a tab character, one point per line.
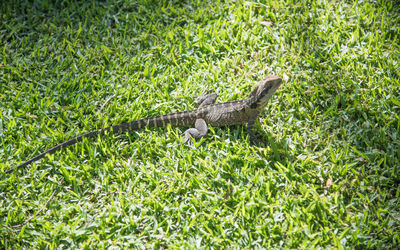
198	100
202	97
189	143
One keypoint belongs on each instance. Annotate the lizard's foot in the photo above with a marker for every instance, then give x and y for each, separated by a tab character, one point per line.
205	99
198	131
188	141
201	97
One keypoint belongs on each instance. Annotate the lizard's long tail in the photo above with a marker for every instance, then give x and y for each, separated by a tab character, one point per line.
180	118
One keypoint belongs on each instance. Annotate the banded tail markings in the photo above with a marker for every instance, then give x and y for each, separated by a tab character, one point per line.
169	118
162	118
176	117
154	121
140	124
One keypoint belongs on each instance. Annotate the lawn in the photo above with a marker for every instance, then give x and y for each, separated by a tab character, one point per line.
328	175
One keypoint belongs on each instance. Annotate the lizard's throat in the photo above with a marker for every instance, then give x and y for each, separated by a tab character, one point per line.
259	104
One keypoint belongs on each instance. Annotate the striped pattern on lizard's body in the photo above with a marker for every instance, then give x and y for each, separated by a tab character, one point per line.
208	113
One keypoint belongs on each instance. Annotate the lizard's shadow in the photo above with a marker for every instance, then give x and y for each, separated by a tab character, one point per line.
278	149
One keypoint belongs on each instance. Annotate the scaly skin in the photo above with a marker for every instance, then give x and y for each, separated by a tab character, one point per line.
208	112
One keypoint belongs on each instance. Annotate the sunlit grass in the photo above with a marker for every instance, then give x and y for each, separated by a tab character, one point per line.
329	176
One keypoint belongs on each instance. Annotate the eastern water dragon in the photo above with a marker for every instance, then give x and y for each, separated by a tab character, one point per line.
208	113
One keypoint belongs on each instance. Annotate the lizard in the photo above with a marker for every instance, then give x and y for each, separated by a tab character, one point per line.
207	113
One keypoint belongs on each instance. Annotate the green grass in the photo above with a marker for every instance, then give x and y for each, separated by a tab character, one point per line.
328	179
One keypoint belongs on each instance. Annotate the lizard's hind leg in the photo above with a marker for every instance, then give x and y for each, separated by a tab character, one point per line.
204	99
200	129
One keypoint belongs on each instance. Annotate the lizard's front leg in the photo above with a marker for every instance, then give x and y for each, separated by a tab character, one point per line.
250	131
200	129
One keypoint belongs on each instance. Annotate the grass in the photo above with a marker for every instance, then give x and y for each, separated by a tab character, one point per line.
329	177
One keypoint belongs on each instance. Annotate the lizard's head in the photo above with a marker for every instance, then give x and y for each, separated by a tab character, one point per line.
261	94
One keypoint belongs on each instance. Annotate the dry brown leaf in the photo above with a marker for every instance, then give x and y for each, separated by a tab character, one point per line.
328	184
267	23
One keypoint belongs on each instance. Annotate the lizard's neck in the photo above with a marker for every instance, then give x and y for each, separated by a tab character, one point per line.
256	104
